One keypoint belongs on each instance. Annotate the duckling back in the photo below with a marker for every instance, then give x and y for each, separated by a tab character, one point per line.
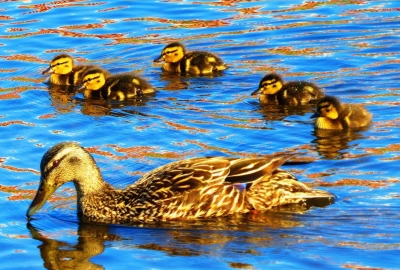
127	85
299	93
202	63
355	116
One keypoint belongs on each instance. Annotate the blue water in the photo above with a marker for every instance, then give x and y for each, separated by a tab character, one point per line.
350	48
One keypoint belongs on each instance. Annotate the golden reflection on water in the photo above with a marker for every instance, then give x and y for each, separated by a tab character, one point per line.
62	255
331	143
180	239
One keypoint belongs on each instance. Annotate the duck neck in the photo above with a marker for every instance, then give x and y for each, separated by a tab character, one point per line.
172	67
88	180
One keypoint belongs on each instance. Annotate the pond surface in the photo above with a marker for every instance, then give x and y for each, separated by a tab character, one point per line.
350	48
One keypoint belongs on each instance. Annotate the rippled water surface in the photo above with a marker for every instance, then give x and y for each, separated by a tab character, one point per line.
350	48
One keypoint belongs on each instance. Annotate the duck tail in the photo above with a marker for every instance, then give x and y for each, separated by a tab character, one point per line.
282	189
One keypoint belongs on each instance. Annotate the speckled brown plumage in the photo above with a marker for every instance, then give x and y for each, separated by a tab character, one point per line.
273	90
186	189
178	60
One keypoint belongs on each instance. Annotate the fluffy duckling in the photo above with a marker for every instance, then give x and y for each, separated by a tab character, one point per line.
183	190
331	114
274	91
98	83
64	72
177	59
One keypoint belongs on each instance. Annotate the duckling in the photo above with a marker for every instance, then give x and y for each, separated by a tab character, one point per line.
178	60
98	83
182	190
274	91
64	72
332	114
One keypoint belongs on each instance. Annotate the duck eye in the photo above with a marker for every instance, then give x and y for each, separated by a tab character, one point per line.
56	163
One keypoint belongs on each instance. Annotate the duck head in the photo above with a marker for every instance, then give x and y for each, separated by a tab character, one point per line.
172	53
269	85
61	64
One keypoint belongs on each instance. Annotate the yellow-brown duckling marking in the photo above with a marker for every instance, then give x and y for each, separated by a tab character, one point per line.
273	90
187	189
332	114
63	71
177	60
98	83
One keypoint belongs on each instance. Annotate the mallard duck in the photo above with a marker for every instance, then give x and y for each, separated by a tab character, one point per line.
332	114
98	83
182	190
64	72
177	60
274	91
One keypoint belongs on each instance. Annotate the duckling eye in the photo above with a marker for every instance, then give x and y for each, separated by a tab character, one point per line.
55	163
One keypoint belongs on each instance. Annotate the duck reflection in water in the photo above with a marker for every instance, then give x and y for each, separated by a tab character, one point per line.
62	255
274	112
62	97
64	100
173	81
331	144
174	239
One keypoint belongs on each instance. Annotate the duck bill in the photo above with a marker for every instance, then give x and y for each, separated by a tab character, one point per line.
159	59
47	71
43	193
81	89
255	92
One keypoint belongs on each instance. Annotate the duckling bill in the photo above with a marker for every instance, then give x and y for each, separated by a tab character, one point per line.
178	60
98	83
332	114
182	190
273	90
63	71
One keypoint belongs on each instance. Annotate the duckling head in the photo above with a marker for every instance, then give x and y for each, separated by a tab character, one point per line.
172	53
93	79
61	64
269	85
328	107
62	163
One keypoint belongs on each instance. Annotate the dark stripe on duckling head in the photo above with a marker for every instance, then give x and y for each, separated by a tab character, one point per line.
59	64
326	101
90	79
272	77
169	52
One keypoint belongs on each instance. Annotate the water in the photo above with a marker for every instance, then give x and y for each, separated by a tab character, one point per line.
350	48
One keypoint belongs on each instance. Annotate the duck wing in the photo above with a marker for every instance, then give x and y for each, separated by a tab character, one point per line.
198	173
